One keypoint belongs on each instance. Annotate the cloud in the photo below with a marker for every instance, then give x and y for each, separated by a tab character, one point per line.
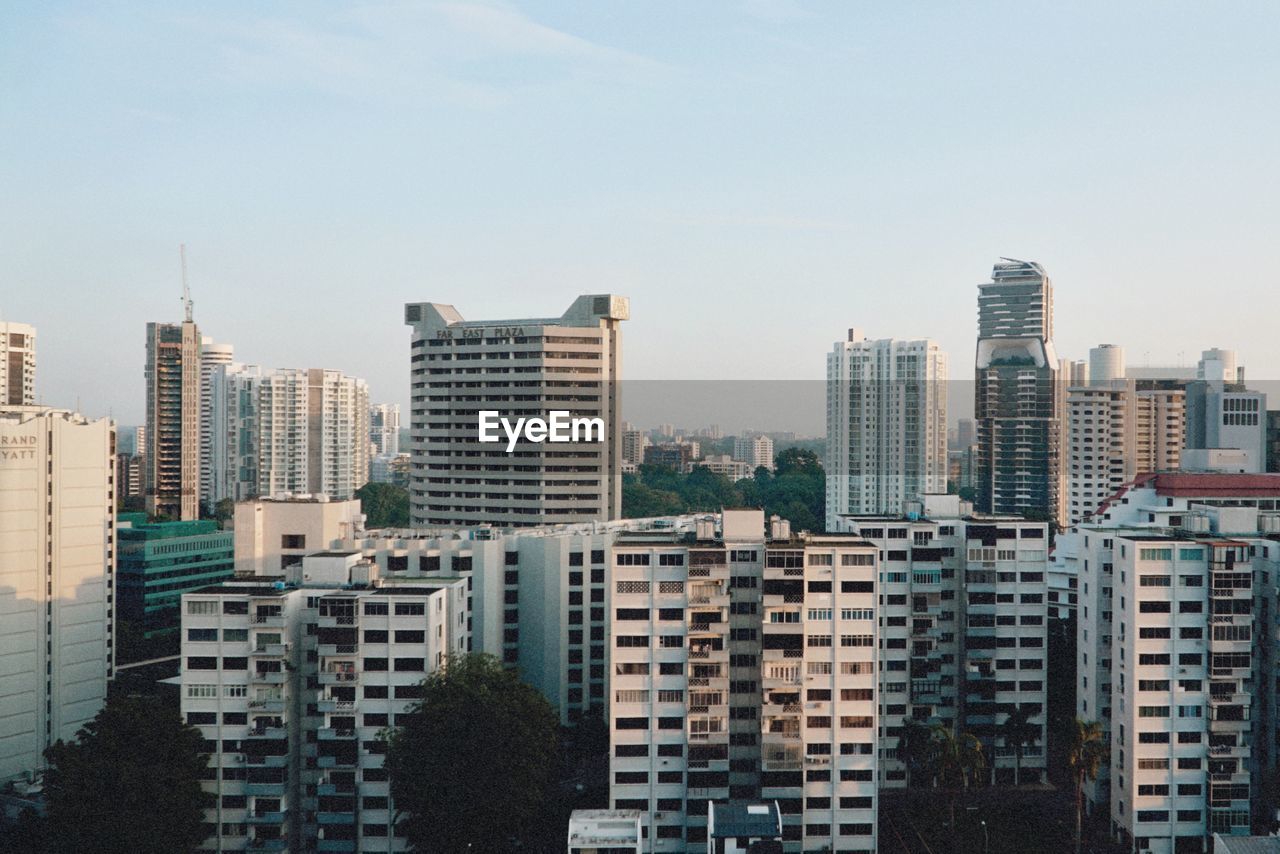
448	50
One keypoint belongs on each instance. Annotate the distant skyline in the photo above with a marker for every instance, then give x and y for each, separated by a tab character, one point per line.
756	176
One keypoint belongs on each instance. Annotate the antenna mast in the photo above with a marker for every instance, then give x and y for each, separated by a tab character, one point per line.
186	291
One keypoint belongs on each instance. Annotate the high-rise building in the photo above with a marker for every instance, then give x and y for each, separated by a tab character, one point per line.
57	573
1273	440
1116	433
755	450
963	638
212	357
1176	654
160	561
173	420
744	667
291	686
384	429
303	431
518	369
886	424
634	443
17	364
1222	414
966	433
1018	396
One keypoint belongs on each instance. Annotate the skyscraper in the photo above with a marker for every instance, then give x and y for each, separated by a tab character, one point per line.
289	430
212	357
1017	395
57	566
173	420
384	429
886	424
17	364
519	369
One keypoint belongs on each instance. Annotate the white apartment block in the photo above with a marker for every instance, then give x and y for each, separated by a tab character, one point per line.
743	667
1117	432
963	628
886	424
291	686
57	576
273	534
1176	653
519	369
289	430
17	364
633	444
726	465
756	451
212	465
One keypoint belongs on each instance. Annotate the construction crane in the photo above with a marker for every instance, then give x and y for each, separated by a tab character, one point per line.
186	291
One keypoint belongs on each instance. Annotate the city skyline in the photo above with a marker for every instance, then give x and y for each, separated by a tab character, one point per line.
709	176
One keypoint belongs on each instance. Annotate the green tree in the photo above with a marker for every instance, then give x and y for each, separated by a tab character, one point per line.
472	765
1019	733
129	783
915	750
385	505
1085	754
957	760
796	460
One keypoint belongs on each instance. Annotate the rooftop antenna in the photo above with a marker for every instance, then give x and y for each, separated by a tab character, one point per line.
186	291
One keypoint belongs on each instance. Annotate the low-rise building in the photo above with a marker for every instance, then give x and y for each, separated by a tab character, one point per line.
160	561
275	533
604	832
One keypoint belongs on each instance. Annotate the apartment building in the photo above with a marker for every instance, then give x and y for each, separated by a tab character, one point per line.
1018	395
743	667
517	368
756	451
291	685
172	454
212	357
1116	433
57	579
17	364
1176	653
886	424
963	628
384	429
289	430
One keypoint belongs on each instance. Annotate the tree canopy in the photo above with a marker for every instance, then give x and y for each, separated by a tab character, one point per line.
385	505
795	490
129	782
472	765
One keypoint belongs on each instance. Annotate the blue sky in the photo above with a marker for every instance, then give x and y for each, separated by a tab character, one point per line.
757	176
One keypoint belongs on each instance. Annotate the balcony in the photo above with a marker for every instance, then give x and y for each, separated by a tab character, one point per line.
335	761
270	650
337	677
331	705
272	704
266	817
336	817
333	733
265	790
330	650
267	845
344	845
268	677
268	620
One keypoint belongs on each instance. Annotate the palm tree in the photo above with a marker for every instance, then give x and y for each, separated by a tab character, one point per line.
1085	754
958	758
915	749
1019	733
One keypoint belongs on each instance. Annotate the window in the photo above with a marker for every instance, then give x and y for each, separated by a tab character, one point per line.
1155	554
202	634
202	606
410	609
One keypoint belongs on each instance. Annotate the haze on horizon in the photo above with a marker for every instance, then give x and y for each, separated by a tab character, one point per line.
756	176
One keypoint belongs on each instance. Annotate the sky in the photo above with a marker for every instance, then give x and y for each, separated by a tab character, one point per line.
756	176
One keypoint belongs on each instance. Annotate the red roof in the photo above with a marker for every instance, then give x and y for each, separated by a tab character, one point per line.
1211	485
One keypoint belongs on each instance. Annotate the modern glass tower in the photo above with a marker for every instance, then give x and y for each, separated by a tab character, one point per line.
1017	396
